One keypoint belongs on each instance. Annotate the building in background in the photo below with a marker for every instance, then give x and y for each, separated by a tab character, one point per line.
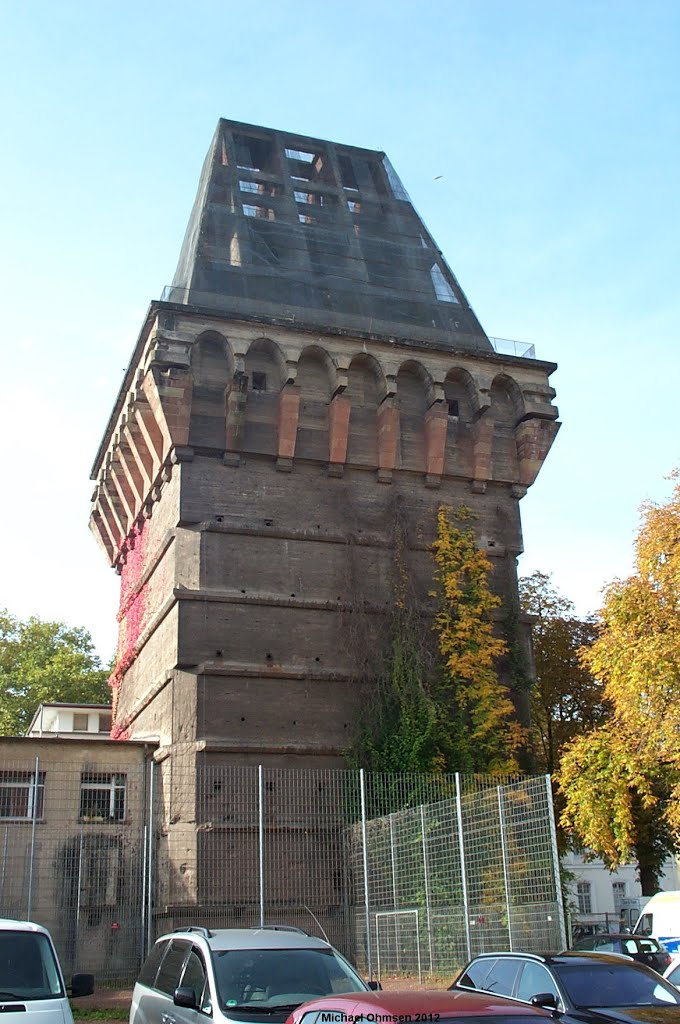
609	900
62	719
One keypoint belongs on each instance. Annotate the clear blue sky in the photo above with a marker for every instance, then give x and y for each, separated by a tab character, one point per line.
554	127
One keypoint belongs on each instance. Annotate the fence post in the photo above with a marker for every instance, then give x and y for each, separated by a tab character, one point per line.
260	801
4	866
149	857
504	854
34	815
463	873
397	946
556	864
426	872
364	840
76	944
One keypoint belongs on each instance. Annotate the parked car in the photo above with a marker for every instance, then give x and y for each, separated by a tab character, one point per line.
642	948
672	972
237	974
31	982
589	987
425	1006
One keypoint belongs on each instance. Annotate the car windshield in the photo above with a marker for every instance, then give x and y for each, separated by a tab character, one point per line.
28	968
607	984
255	979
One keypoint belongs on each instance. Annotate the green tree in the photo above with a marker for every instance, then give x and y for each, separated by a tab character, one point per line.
622	780
44	662
566	697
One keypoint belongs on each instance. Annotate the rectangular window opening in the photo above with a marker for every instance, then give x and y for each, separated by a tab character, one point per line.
300	154
80	722
259	381
583	897
102	797
21	799
263	212
453	407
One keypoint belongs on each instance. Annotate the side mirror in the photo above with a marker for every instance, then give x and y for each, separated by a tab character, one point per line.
185	996
81	985
546	999
374	986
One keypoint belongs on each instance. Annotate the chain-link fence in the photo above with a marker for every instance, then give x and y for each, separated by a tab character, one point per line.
403	873
474	870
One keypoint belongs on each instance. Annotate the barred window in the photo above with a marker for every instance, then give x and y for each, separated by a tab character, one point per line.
21	797
102	797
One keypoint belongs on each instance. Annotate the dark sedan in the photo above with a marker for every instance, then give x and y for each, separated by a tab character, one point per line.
588	987
642	948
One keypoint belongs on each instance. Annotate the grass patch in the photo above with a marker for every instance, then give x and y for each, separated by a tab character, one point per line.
110	1013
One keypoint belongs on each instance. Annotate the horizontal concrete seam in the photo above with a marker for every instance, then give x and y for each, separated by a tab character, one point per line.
276	601
252	670
226	746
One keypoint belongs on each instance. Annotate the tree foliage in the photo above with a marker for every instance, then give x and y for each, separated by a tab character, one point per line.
485	735
622	780
566	697
402	729
45	662
448	713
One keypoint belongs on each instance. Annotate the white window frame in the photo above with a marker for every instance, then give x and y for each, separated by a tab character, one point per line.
25	780
112	783
584	896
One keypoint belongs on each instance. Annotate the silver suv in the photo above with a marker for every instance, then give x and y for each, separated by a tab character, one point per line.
236	975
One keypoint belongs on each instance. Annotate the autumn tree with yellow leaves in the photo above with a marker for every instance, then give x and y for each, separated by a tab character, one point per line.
451	713
484	734
621	781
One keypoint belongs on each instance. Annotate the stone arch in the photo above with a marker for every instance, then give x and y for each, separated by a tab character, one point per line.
315	379
462	402
414	385
365	390
505	411
212	369
265	369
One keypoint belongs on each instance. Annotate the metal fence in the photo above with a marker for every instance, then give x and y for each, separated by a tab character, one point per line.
403	873
471	871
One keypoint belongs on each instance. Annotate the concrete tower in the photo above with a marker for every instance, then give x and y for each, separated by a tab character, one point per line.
314	366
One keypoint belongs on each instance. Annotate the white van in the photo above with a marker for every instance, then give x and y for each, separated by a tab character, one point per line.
32	989
660	918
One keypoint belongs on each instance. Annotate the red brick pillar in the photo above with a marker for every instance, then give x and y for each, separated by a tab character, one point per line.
236	415
338	429
388	438
289	413
436	427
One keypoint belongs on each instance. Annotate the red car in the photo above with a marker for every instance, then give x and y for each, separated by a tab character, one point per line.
424	1007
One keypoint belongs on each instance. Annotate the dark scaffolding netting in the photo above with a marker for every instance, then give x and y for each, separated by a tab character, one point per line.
311	232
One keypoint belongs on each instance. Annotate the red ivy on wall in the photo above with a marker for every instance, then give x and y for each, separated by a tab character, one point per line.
131	617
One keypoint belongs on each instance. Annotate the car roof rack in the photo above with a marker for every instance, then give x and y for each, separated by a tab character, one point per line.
283	928
205	932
